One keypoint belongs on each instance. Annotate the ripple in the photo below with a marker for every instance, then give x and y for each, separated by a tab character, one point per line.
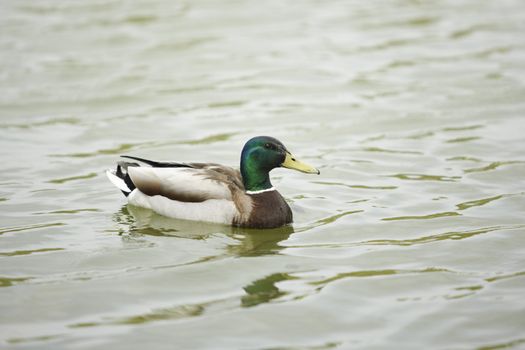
452	235
27	252
122	148
49	122
421	135
490	51
365	187
223	104
423	217
10	281
462	128
328	220
426	177
140	19
210	139
471	288
258	292
366	273
72	211
478	202
336	217
421	21
125	147
387	45
171	313
463	139
492	166
504	277
180	45
465	158
505	345
72	178
463	292
165	313
177	312
373	138
373	273
29	227
41	338
384	150
461	33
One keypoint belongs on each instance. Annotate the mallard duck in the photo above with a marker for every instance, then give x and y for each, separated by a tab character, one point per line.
213	192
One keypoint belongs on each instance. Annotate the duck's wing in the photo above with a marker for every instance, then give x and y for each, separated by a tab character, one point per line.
191	191
192	182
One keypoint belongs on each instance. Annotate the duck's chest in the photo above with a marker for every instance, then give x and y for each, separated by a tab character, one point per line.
269	210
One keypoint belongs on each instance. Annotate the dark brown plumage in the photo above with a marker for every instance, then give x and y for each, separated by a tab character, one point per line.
269	210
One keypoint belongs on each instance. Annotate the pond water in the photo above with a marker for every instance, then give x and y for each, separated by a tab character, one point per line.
412	237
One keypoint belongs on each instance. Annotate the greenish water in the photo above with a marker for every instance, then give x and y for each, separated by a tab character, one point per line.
412	237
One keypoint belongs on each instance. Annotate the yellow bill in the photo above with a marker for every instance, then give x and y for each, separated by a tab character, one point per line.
291	163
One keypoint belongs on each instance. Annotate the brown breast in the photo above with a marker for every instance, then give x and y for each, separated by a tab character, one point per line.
269	210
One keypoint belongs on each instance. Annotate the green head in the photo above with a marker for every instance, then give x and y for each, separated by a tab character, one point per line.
260	155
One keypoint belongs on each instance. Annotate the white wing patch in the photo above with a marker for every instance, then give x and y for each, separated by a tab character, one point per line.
212	210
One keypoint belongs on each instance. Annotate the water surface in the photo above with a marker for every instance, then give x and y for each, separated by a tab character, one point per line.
412	236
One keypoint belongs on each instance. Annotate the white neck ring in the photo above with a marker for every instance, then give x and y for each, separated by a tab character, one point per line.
261	191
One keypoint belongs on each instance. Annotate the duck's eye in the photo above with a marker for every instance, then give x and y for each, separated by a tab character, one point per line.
268	146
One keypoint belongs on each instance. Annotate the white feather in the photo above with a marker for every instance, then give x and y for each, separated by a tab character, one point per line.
181	180
261	191
212	210
117	181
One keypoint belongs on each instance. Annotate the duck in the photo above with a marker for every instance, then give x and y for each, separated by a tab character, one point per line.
212	192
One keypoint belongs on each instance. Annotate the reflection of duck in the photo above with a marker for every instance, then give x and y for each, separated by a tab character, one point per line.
212	192
248	242
264	290
260	242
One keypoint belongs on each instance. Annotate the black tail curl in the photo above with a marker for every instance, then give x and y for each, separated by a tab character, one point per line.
122	172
